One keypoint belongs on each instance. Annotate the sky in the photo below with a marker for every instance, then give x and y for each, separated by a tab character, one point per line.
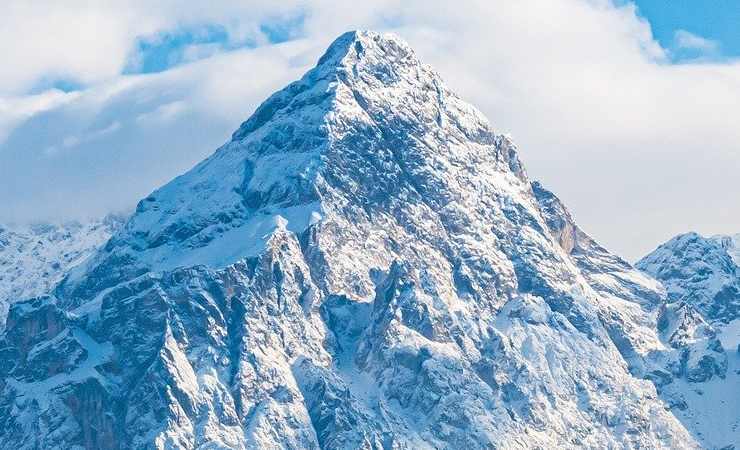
714	22
626	110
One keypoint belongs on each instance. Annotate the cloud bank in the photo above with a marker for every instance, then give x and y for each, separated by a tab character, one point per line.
639	148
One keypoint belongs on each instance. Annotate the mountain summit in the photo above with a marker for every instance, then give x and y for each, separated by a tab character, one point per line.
365	264
370	128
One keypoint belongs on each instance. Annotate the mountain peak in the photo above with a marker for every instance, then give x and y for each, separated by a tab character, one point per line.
367	124
699	270
354	57
355	46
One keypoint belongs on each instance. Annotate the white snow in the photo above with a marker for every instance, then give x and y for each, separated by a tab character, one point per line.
234	244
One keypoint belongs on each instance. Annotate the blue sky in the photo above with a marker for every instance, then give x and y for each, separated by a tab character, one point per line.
689	30
166	49
632	125
714	20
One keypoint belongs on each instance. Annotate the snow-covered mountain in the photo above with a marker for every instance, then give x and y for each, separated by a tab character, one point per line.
702	318
700	271
365	264
34	258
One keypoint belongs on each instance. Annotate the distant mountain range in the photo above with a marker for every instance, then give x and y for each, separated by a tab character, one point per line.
34	258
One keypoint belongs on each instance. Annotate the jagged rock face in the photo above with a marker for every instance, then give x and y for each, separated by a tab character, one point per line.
35	258
731	244
701	353
364	265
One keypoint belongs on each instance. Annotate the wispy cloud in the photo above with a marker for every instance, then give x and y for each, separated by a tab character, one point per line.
91	42
163	50
100	150
689	46
688	40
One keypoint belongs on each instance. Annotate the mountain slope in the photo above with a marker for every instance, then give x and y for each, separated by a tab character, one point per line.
365	264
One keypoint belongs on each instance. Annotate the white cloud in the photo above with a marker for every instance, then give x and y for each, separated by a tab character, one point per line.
687	40
640	149
15	110
90	42
114	143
